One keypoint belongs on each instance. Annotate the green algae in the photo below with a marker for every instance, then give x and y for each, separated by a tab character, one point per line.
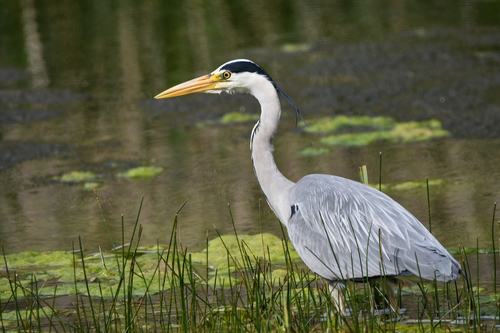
96	286
151	249
278	276
34	260
383	187
328	124
6	291
470	250
11	317
225	257
351	139
66	267
463	250
253	245
400	133
489	298
150	278
223	281
416	131
238	117
76	177
86	177
364	130
314	151
139	173
57	261
143	283
414	326
89	178
68	273
292	48
416	184
91	186
410	185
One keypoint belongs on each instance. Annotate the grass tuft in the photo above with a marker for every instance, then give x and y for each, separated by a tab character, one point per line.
239	283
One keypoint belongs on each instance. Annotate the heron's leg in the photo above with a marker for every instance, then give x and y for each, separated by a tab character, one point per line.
338	296
387	285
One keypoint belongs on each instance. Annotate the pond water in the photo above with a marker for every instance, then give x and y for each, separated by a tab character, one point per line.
76	87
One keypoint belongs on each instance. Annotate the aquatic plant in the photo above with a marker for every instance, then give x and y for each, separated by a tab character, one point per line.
364	130
238	117
237	283
329	124
310	151
76	176
143	172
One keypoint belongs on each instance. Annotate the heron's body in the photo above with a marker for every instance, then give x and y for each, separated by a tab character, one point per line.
370	231
341	229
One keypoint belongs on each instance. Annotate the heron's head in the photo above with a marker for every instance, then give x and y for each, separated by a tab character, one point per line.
234	76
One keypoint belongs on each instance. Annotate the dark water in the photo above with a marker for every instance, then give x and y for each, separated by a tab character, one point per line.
76	87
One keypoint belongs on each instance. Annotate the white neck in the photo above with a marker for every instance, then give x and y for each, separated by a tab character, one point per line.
274	185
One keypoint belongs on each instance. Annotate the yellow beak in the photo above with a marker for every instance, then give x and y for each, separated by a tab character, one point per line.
202	83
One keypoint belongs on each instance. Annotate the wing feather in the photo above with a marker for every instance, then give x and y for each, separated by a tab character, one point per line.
347	230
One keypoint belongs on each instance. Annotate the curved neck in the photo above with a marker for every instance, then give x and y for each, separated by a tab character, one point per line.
274	185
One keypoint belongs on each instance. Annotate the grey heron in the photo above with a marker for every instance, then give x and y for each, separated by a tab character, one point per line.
342	229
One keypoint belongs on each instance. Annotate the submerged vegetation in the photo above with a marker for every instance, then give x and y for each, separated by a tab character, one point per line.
238	117
143	172
364	130
230	118
311	151
217	250
76	177
352	131
91	180
237	283
409	185
329	124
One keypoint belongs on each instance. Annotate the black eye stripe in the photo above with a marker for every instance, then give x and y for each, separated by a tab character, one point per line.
245	66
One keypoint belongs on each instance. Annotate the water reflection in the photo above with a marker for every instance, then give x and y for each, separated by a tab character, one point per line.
104	62
33	46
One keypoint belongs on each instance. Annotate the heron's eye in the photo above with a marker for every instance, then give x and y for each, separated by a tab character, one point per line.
226	75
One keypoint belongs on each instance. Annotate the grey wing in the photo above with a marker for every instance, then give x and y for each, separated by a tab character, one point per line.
347	230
